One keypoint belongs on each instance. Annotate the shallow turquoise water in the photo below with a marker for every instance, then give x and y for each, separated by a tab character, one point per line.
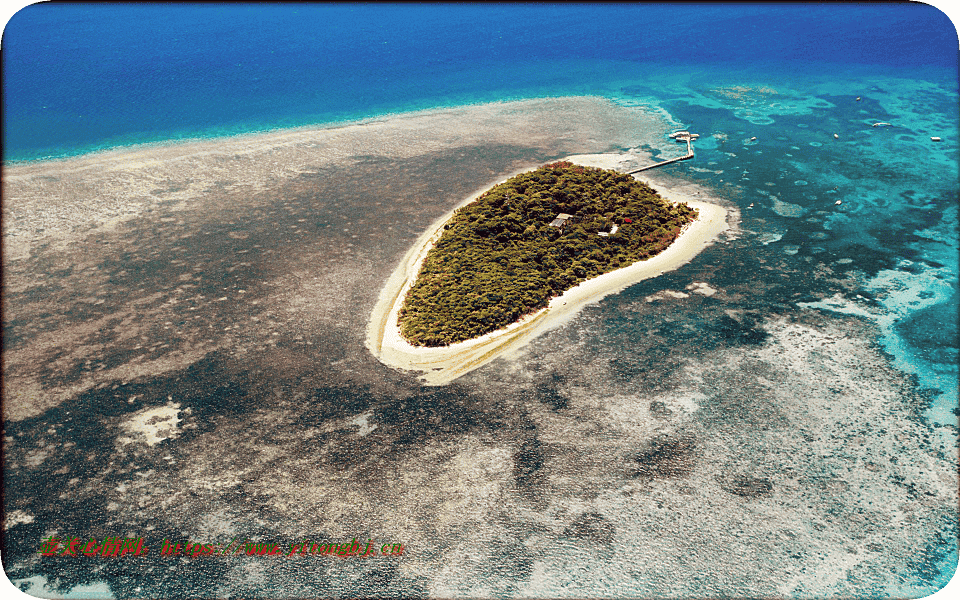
78	77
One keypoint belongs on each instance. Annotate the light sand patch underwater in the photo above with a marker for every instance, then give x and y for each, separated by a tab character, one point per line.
153	425
445	364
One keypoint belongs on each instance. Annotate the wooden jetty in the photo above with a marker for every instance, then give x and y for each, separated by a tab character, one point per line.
680	136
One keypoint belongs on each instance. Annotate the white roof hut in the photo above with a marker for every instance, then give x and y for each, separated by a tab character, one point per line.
561	220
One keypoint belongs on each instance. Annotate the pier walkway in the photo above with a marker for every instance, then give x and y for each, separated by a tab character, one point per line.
680	136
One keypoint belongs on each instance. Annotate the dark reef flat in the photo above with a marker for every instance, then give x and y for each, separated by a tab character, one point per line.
184	358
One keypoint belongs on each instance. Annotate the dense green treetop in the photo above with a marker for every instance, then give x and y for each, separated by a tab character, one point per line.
499	258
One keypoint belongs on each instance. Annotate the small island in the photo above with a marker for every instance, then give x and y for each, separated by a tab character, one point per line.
528	240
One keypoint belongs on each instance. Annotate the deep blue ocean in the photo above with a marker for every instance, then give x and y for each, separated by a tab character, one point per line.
84	77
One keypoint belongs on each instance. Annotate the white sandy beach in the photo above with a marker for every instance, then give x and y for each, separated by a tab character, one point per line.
443	365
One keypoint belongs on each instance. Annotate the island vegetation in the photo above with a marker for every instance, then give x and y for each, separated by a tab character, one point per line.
528	240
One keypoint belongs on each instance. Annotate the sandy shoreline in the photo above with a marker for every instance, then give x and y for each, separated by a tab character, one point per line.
443	365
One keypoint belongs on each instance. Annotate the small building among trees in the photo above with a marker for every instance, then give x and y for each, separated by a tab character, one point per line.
560	221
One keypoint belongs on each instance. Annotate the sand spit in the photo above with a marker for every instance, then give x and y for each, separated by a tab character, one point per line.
443	365
61	199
